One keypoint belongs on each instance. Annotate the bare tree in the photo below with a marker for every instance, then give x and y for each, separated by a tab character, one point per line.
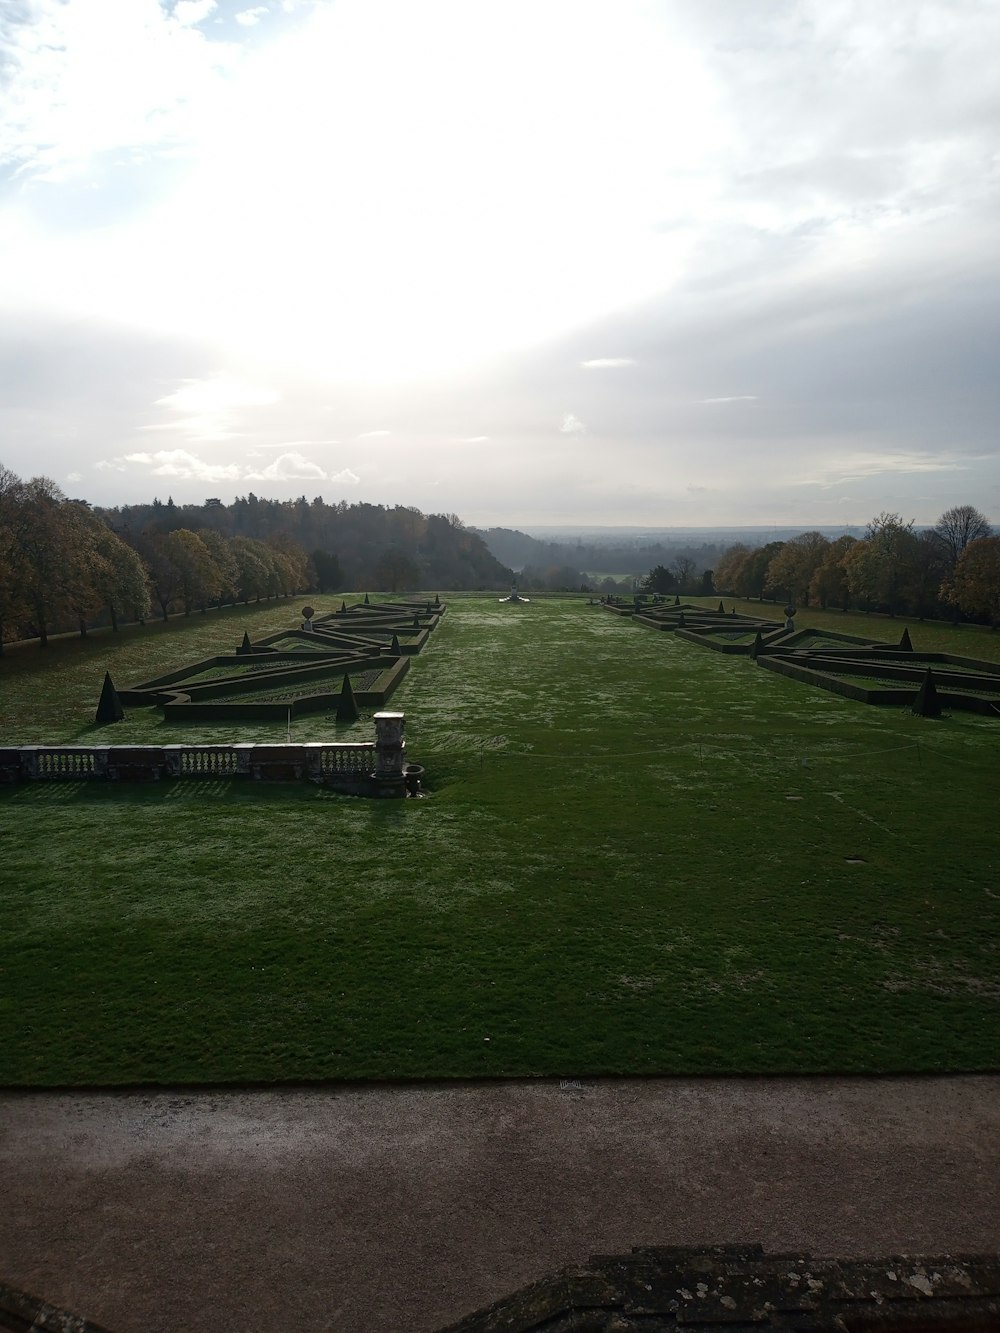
959	526
684	570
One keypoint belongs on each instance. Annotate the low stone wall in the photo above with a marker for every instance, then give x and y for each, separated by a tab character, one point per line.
365	768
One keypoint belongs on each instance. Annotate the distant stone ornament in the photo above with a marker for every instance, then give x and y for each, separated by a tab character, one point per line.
514	596
307	618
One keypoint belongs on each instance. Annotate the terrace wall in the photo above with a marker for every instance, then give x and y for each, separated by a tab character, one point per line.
352	767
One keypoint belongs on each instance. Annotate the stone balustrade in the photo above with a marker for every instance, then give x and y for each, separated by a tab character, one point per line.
367	768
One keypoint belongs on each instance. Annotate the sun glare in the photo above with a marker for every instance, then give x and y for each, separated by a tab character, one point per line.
392	189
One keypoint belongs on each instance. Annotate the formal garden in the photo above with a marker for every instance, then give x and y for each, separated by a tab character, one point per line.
635	856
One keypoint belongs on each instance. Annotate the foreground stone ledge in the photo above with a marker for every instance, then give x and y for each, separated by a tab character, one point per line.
23	1314
725	1288
720	1289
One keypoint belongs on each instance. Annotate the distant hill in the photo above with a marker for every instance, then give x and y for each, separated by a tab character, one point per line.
626	551
727	535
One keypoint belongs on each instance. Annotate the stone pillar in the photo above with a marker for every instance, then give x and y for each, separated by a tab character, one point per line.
390	753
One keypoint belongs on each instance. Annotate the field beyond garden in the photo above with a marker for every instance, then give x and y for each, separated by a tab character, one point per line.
636	856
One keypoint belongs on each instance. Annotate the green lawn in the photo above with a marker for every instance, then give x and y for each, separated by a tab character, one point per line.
638	856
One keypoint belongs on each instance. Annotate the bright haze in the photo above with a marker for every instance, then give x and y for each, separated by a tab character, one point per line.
533	262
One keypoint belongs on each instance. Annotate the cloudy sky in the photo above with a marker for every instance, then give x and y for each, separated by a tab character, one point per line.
673	262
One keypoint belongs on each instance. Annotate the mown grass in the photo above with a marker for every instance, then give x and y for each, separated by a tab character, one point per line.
638	856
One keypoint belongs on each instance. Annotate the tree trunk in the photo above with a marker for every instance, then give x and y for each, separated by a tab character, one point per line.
114	617
83	627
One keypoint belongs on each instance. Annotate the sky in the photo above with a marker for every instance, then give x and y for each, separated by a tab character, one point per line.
651	262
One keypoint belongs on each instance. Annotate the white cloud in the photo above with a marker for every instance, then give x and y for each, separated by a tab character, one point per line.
474	439
607	362
217	393
370	434
733	398
184	465
189	12
249	18
856	467
83	80
212	406
258	449
289	466
572	425
74	476
209	427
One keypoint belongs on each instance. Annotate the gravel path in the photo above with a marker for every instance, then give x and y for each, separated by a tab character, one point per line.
403	1208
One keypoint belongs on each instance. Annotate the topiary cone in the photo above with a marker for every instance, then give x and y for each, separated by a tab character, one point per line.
905	643
927	703
347	705
109	708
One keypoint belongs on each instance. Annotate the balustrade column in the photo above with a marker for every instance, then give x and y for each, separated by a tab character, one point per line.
390	752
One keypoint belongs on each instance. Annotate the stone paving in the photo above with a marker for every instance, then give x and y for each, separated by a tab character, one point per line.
390	1208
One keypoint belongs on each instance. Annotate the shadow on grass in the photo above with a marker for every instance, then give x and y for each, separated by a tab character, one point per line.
217	790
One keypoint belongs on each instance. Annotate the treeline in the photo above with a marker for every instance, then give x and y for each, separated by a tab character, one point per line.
62	566
386	549
950	569
65	565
